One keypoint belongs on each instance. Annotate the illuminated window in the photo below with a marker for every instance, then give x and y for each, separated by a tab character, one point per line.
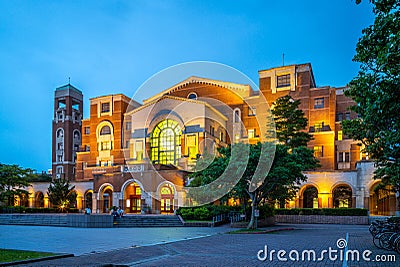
319	102
283	80
252	133
105	130
106	145
340	135
192	148
139	149
318	151
319	126
105	107
165	142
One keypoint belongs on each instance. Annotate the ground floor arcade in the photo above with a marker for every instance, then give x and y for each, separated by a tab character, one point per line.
334	189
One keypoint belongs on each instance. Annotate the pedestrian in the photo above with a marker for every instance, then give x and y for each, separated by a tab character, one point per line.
120	212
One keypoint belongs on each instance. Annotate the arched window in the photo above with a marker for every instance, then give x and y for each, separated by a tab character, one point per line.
236	115
39	200
77	134
192	96
165	142
310	197
342	197
88	199
60	133
105	130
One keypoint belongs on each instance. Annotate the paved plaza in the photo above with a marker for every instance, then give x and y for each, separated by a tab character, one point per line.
80	241
216	249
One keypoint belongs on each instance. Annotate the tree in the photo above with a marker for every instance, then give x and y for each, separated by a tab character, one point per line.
13	181
290	122
61	195
376	92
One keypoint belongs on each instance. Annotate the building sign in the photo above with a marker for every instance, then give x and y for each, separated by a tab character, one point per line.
134	168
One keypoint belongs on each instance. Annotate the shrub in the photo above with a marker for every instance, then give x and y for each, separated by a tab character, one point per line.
202	214
266	211
186	213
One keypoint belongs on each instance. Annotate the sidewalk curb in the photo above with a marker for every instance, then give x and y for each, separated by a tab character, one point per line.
265	231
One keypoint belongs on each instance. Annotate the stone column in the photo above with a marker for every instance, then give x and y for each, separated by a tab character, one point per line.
359	197
95	207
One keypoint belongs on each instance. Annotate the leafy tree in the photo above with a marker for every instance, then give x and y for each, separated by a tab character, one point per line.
61	195
290	122
40	177
13	181
376	92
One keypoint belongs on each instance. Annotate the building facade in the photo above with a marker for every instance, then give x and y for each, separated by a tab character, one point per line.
137	156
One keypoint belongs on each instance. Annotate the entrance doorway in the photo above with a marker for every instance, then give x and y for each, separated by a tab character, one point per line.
134	198
310	197
167	199
107	200
39	200
342	197
382	200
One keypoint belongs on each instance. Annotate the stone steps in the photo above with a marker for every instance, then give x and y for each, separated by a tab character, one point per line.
148	221
29	219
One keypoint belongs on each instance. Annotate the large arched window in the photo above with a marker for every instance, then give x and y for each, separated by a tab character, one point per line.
165	142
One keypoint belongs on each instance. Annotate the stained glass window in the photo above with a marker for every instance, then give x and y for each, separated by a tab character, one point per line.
165	142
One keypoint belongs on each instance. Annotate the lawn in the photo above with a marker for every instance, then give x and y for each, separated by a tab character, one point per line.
10	255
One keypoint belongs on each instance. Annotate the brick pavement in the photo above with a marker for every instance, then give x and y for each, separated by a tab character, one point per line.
236	249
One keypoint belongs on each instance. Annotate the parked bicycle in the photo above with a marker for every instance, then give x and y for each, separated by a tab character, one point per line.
386	234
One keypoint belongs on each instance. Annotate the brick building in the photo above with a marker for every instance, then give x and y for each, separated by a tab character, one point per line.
137	156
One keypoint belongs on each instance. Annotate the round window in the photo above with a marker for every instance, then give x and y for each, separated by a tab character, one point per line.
192	96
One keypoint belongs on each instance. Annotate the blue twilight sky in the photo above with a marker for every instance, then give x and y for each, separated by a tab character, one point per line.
114	46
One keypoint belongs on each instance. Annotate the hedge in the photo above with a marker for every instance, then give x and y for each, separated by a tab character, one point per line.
265	211
206	212
324	211
20	209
